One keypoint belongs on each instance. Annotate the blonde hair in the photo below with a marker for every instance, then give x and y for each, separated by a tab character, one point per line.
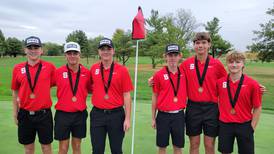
235	55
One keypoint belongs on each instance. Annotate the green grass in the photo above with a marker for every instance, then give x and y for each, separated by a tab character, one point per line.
144	134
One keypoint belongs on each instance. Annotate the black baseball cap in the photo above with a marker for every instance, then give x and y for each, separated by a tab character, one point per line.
105	42
172	48
33	40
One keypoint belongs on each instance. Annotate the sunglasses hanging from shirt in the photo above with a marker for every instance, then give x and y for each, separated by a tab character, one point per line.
75	87
106	87
175	91
236	96
201	79
32	87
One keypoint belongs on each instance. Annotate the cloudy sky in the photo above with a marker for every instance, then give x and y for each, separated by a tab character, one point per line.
53	20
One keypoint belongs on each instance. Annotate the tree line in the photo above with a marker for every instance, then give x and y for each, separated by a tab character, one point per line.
178	27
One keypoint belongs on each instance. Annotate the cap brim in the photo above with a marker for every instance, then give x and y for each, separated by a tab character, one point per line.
105	45
71	49
172	52
36	44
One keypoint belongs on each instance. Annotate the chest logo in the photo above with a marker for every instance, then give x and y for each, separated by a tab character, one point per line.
23	70
97	71
224	84
165	76
191	66
65	75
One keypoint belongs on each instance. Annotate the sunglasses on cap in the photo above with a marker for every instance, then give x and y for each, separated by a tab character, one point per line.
33	47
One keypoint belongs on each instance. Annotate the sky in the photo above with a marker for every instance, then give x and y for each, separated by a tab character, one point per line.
53	20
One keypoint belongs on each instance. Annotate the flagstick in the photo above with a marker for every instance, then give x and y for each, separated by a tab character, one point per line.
134	99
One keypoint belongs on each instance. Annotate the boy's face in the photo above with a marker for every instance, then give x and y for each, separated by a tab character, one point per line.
173	58
33	52
201	47
235	66
106	53
73	57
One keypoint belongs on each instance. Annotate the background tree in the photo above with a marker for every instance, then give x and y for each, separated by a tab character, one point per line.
53	49
123	45
264	44
168	29
218	45
93	43
3	45
154	45
14	46
80	37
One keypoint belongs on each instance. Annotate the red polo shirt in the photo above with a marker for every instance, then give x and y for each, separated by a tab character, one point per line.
214	72
45	80
64	92
120	83
250	97
163	88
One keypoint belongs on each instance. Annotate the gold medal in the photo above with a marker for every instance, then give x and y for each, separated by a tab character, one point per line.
232	111
32	95
106	97
74	99
200	89
175	99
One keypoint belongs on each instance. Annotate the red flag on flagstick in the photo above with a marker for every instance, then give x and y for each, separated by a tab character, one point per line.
138	26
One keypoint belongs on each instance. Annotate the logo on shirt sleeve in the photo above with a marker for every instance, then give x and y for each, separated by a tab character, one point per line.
23	70
224	84
165	76
191	66
65	75
97	71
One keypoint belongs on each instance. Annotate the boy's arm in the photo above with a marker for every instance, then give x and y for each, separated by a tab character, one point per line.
153	109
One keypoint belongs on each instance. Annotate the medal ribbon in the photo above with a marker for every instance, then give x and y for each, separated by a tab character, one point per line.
178	81
35	78
74	89
201	79
233	101
106	87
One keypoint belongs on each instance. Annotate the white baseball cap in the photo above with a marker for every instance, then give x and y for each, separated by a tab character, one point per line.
72	46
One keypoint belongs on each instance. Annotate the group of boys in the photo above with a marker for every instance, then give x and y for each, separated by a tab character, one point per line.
216	103
108	81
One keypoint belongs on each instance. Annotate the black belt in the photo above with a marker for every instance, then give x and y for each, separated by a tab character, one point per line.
42	111
109	111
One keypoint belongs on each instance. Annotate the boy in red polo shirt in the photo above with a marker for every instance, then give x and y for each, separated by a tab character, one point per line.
169	99
111	85
202	71
239	106
72	81
31	83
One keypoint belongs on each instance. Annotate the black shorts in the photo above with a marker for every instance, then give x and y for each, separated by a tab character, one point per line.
31	122
202	117
243	132
107	122
170	124
70	122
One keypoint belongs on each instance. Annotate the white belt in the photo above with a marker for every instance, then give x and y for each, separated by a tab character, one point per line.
174	111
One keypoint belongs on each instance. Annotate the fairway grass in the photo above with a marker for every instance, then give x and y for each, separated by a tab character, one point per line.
144	134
